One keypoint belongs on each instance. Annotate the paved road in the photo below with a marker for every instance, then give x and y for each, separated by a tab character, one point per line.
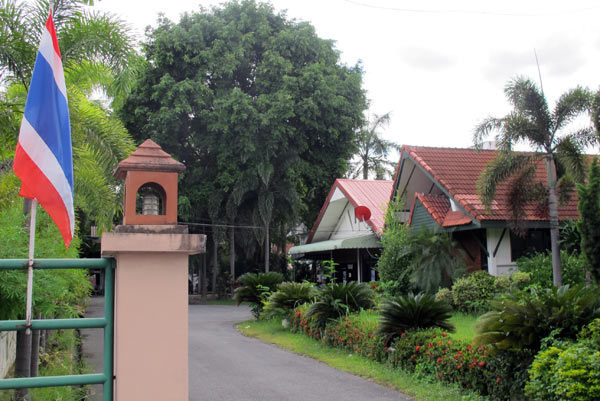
224	365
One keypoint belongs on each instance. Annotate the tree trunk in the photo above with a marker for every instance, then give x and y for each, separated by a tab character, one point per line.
553	214
232	255
283	246
267	250
23	362
365	169
203	277
215	263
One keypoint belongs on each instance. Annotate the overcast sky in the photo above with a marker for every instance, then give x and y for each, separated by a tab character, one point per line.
440	66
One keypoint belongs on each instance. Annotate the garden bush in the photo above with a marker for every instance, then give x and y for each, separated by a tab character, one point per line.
255	288
521	319
445	295
339	299
568	370
473	292
288	296
412	312
539	267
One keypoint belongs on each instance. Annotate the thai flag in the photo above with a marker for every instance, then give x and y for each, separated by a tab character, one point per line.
43	158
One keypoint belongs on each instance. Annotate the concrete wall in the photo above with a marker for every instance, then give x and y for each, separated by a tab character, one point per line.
8	349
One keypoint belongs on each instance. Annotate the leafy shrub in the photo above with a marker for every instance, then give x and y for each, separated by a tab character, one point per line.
356	333
340	299
288	296
520	320
413	312
502	284
445	295
520	280
539	267
568	370
255	288
473	292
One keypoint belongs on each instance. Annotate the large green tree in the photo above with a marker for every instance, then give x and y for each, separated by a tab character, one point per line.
259	109
533	123
589	225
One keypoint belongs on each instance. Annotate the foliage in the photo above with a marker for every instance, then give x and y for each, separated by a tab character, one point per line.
570	237
373	151
98	53
532	122
408	312
434	260
58	292
519	280
258	107
589	225
329	270
288	296
393	267
568	370
255	288
339	299
473	292
539	267
520	320
445	295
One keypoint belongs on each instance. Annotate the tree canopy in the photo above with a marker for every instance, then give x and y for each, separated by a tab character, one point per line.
258	108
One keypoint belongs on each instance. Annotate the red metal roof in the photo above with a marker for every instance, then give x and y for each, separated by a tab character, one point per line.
374	194
457	170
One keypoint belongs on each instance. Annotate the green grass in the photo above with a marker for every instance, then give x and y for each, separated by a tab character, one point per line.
421	388
465	326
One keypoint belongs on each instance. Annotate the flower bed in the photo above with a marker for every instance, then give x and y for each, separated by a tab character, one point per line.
431	352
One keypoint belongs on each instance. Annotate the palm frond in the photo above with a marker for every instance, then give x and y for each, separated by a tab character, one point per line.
501	168
570	105
526	97
569	153
485	128
519	128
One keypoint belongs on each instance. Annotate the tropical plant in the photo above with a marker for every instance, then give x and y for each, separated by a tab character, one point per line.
340	299
539	268
255	288
532	122
288	296
589	225
98	53
373	150
520	320
434	259
408	312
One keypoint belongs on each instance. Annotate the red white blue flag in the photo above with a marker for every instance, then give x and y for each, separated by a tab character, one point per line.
43	158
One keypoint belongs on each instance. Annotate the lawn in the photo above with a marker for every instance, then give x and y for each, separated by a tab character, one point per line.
421	388
465	326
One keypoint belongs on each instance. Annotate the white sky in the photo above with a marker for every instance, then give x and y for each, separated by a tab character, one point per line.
438	66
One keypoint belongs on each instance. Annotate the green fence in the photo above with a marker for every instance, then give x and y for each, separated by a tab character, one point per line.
106	377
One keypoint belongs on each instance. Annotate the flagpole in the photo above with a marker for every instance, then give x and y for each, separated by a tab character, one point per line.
32	221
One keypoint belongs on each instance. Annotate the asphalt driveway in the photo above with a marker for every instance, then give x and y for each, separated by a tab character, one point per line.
225	365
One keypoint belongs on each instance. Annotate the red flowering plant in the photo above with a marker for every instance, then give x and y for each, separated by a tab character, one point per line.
356	333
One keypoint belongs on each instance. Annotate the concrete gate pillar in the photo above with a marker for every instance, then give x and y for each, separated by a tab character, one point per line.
151	281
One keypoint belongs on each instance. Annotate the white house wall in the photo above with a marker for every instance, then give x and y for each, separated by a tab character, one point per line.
501	264
348	226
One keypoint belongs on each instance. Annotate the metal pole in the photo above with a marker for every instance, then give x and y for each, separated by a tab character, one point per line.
30	266
109	291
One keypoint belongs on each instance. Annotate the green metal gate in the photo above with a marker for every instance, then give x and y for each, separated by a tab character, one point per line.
106	377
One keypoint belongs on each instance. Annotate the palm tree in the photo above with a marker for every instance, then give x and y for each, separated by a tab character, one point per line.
531	122
373	150
98	54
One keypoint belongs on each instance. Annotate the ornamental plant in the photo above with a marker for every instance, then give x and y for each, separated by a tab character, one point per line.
255	288
288	296
339	299
408	312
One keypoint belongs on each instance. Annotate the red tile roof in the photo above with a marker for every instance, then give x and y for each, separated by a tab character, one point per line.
457	170
438	207
374	194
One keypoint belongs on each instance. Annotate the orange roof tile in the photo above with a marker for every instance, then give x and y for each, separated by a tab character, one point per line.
438	206
457	170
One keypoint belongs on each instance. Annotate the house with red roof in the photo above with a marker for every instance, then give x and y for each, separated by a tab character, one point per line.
348	228
439	189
